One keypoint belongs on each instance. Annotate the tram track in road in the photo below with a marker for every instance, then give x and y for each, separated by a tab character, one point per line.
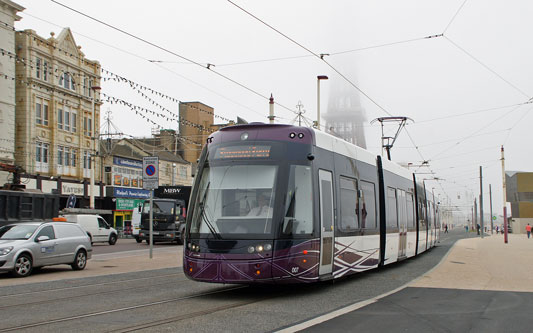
86	286
105	292
133	307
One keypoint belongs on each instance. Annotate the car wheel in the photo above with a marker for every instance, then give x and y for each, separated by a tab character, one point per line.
112	239
23	266
138	239
80	261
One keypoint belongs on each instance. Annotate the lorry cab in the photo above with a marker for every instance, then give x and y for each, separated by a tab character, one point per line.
168	220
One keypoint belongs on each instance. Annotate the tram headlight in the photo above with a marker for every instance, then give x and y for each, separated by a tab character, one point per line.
244	136
292	135
259	248
268	247
300	135
251	249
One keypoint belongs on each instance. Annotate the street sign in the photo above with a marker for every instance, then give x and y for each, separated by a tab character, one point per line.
150	172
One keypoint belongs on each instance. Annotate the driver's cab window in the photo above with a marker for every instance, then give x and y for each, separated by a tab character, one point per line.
46	231
102	223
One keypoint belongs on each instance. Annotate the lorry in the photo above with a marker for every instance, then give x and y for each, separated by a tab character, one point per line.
169	215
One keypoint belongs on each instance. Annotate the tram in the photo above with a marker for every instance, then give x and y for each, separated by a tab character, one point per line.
276	203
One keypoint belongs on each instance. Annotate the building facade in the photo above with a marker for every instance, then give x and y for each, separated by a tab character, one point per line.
8	16
57	111
519	191
194	137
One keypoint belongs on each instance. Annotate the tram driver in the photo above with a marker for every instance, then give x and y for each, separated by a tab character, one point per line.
263	208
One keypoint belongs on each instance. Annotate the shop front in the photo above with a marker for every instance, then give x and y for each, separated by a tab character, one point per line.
124	201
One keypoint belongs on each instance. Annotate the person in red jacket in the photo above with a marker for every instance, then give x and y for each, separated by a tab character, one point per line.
528	230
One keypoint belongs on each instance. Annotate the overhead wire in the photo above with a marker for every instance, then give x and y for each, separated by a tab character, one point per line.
171	52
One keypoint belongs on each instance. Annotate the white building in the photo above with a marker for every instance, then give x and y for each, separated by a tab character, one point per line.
8	16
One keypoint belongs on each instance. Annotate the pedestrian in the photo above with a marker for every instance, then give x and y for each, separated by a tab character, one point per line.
478	227
446	228
466	228
497	230
528	230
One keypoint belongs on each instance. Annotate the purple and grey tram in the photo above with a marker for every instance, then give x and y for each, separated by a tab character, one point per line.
285	204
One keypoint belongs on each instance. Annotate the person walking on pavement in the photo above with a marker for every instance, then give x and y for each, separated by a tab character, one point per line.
446	228
478	227
528	230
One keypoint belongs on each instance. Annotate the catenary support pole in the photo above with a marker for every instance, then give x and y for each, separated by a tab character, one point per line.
481	200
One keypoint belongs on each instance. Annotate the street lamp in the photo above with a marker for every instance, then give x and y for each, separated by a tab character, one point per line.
320	77
173	170
93	137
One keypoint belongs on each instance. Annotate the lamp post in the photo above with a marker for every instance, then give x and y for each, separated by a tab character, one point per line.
93	137
173	171
320	77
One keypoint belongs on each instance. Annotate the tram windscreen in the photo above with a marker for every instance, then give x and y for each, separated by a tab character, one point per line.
235	200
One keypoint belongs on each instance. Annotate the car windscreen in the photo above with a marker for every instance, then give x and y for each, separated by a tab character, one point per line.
19	231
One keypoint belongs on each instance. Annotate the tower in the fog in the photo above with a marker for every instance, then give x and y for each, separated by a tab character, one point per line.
345	116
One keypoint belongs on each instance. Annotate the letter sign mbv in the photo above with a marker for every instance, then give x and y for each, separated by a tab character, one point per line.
150	172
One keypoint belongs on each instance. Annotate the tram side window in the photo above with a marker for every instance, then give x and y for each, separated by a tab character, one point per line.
402	208
298	218
349	220
368	205
392	211
410	211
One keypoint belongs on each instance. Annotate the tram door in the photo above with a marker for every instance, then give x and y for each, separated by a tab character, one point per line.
402	223
325	179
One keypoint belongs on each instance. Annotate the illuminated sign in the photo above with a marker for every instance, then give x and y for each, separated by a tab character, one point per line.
247	151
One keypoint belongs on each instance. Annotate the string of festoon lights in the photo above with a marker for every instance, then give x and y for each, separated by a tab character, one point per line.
58	71
114	100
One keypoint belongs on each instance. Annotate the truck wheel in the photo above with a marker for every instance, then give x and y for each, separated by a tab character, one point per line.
138	240
181	240
112	239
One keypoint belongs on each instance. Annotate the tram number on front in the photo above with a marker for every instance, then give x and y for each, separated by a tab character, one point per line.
295	269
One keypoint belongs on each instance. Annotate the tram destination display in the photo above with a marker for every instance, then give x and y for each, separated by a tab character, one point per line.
243	151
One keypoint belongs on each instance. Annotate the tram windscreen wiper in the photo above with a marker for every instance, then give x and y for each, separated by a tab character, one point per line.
204	215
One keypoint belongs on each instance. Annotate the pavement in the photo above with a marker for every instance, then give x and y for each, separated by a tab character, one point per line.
480	285
105	264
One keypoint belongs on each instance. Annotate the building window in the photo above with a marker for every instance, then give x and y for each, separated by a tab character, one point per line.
74	155
45	70
87	126
60	155
60	118
67	119
41	152
67	81
38	68
41	111
183	171
86	159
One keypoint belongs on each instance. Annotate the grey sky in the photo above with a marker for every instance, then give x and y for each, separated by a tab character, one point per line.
428	80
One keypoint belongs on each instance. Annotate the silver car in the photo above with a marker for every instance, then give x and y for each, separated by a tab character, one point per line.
26	246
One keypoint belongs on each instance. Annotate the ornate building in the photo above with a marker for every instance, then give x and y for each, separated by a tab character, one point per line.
57	91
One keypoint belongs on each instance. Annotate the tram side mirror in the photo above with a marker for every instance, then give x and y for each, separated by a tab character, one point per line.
310	157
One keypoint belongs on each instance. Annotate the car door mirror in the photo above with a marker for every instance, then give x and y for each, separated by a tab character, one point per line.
42	238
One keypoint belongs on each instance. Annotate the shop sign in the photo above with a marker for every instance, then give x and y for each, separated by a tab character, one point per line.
123	192
128	204
69	188
127	162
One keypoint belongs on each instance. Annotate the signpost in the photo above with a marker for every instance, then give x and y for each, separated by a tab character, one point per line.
151	182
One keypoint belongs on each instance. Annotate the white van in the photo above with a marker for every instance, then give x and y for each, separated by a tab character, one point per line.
96	227
136	223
